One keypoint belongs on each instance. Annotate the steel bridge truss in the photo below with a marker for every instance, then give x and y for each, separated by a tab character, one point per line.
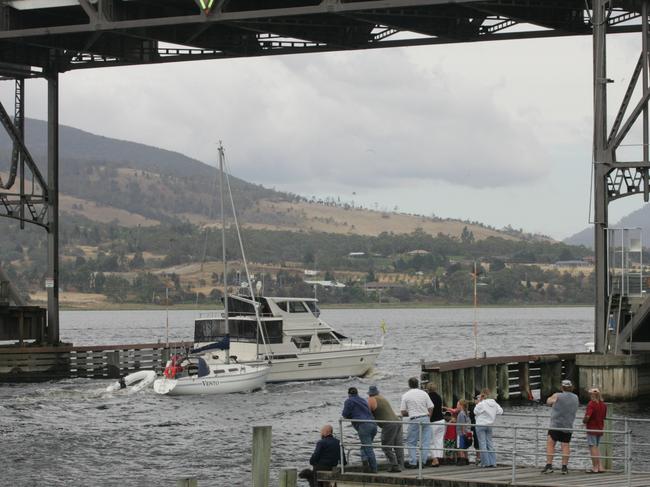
615	179
92	33
28	202
27	196
42	38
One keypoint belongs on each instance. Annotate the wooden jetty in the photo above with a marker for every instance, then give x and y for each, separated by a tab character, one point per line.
509	377
619	377
472	476
42	363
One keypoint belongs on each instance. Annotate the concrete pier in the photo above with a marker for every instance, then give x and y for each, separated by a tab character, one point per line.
619	377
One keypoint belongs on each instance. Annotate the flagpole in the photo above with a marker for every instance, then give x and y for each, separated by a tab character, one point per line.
475	325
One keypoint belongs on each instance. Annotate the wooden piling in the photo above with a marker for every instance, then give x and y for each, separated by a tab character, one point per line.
503	386
459	384
447	389
550	377
482	382
470	388
190	482
113	364
288	477
524	380
261	455
492	379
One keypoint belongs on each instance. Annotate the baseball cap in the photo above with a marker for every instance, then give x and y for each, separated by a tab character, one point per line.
352	391
373	391
567	383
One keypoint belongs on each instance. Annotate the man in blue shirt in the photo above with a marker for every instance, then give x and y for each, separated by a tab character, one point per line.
357	408
325	456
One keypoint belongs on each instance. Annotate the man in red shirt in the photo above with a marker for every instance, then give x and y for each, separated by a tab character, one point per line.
594	421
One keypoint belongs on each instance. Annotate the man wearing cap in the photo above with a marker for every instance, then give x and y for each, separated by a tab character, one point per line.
563	414
417	407
391	433
356	408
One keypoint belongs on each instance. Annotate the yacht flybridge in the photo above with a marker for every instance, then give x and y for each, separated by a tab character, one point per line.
289	334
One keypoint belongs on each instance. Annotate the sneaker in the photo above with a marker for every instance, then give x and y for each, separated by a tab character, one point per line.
407	465
548	468
395	468
565	470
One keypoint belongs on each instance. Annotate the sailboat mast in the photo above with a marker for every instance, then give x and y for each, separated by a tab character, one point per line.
223	251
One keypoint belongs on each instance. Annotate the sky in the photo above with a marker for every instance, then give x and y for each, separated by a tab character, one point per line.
495	132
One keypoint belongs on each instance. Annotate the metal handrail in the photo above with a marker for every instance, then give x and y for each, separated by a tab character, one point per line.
514	452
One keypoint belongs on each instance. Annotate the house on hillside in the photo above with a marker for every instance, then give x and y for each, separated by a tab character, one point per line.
332	284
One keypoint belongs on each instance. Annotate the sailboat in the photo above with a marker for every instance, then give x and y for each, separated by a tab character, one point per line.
203	372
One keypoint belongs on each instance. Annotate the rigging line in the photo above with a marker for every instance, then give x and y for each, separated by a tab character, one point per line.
591	190
243	255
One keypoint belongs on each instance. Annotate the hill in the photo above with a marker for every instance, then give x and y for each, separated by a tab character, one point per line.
109	180
637	219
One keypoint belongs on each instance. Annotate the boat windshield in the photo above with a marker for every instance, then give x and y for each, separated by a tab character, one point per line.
313	307
242	330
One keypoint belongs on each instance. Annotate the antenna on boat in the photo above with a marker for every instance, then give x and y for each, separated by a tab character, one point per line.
167	315
223	251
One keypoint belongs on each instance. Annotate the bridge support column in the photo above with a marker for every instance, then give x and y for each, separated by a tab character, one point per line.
52	282
619	377
601	159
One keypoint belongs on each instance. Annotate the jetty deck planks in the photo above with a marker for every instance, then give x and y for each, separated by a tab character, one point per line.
472	476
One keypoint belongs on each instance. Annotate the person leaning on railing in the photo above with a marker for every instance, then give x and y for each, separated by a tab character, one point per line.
391	433
594	421
563	414
357	408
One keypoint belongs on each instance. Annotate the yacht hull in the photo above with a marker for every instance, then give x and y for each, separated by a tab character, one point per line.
211	384
324	365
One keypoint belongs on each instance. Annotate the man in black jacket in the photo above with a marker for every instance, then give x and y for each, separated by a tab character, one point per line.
326	455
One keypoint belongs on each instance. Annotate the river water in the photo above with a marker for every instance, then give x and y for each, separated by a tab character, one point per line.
73	433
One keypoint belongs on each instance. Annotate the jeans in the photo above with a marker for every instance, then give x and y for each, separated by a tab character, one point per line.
484	435
391	434
367	432
412	436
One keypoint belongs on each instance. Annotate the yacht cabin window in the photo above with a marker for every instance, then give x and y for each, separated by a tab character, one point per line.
241	330
282	305
297	307
328	339
301	341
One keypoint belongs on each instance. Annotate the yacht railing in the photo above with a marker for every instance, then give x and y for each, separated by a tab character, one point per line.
520	444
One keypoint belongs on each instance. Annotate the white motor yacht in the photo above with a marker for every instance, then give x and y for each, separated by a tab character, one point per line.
288	334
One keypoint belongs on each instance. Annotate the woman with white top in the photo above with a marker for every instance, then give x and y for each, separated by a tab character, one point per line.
486	412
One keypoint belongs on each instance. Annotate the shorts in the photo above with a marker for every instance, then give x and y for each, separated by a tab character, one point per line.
593	440
463	442
561	436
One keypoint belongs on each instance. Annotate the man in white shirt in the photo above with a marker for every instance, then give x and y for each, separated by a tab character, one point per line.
417	407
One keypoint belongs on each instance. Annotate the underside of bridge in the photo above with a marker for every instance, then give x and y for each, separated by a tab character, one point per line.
42	38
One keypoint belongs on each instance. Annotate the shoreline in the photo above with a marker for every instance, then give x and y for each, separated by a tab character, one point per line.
206	307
